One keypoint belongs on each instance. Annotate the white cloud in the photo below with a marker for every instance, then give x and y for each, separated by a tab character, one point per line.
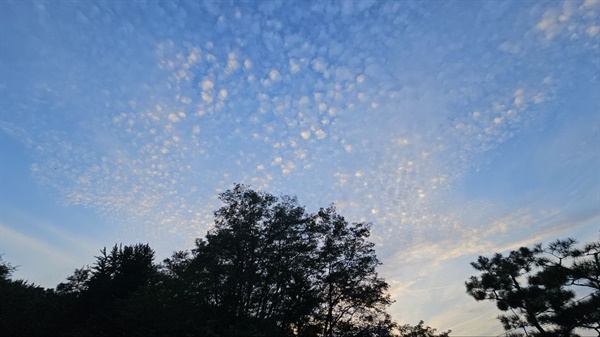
549	24
304	100
320	134
319	65
305	134
223	94
593	30
232	63
207	85
294	67
274	75
207	97
568	19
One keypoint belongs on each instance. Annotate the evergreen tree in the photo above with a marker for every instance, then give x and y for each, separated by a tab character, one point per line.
536	286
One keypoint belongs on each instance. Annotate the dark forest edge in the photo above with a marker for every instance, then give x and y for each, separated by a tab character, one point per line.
269	268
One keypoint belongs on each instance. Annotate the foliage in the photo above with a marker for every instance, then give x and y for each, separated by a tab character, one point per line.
94	295
267	268
420	331
269	263
25	308
6	270
537	287
349	287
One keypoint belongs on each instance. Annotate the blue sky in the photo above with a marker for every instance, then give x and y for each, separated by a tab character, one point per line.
457	128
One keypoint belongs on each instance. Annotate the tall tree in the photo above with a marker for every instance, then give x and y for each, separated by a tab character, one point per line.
269	263
537	287
95	294
253	264
350	290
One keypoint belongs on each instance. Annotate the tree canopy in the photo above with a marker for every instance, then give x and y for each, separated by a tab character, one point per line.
267	268
545	291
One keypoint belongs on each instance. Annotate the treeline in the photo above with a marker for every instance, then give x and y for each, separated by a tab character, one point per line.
268	268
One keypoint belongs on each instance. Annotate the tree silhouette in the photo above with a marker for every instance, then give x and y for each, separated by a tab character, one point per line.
96	294
350	290
536	286
25	308
267	268
420	330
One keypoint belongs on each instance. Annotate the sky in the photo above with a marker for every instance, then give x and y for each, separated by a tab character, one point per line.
456	128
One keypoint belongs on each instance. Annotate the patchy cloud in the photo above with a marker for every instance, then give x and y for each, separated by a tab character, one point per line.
148	119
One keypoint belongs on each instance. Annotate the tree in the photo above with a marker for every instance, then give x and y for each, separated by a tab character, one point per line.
267	268
564	265
537	287
26	309
420	331
95	295
123	270
76	284
255	265
350	289
6	270
271	268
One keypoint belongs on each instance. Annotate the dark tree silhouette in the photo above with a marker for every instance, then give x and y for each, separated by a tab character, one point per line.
350	291
267	268
420	330
270	268
25	308
96	294
536	286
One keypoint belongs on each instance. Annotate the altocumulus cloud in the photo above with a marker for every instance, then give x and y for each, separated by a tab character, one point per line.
147	111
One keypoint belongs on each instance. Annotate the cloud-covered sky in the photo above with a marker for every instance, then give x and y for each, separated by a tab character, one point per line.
456	128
